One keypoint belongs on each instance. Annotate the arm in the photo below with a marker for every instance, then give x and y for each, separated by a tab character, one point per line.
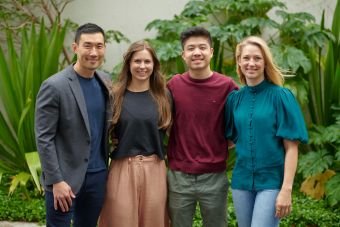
46	123
284	198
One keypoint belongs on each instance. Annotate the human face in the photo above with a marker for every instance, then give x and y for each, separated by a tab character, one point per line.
90	52
252	63
197	53
141	66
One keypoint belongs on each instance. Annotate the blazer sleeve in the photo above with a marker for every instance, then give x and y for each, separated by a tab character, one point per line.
46	123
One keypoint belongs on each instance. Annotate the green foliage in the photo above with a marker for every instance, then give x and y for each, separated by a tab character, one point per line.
116	36
305	212
17	207
228	22
313	163
327	142
310	212
21	73
290	57
333	190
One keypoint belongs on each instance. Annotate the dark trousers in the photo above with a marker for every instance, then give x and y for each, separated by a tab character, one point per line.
85	207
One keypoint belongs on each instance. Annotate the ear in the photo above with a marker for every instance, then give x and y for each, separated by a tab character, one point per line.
212	51
75	47
182	54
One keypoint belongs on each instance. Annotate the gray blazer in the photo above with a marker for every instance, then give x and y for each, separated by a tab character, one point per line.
62	128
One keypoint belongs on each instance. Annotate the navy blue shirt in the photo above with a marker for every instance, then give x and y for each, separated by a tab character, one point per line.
95	104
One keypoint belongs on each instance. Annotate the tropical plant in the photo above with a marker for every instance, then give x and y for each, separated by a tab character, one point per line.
321	167
228	22
18	14
21	73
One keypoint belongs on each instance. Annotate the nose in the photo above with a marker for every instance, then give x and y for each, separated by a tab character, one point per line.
197	51
142	65
252	62
93	51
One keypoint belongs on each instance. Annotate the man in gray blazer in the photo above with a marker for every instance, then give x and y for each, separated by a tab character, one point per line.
71	125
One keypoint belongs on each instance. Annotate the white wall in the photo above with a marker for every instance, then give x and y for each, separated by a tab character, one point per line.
127	16
131	17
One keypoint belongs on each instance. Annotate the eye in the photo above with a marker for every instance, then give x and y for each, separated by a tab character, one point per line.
203	47
190	48
100	46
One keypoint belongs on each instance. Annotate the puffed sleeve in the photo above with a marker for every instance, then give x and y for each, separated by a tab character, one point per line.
290	121
230	130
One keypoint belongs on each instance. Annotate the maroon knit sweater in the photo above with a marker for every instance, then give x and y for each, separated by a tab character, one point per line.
197	144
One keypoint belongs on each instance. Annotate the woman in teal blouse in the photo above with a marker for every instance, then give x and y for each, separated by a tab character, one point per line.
265	123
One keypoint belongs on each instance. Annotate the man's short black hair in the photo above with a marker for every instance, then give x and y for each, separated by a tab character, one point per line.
195	32
88	28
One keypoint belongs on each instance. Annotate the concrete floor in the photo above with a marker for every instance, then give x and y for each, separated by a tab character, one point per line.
19	224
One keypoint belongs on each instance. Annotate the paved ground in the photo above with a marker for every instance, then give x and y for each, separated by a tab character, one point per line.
19	224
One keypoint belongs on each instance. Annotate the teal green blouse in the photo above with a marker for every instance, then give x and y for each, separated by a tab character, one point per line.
258	118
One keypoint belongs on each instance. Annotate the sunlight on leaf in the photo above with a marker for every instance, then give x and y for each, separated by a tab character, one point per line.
33	162
20	179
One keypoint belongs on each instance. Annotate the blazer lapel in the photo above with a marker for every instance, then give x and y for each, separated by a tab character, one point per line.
78	94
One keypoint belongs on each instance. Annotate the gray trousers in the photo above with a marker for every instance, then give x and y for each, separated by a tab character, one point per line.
208	190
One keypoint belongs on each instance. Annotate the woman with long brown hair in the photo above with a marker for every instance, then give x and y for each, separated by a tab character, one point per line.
136	189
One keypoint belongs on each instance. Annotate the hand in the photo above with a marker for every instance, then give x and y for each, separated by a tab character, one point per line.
230	144
63	195
283	203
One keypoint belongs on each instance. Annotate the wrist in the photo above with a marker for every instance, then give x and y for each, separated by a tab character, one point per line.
287	188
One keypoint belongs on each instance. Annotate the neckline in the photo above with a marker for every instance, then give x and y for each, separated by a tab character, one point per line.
137	92
85	78
200	80
259	87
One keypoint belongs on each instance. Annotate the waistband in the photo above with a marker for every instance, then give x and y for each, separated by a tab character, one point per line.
142	158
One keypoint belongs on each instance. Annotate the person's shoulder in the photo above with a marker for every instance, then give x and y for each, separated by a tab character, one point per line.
224	78
279	90
59	78
225	81
103	75
177	78
281	93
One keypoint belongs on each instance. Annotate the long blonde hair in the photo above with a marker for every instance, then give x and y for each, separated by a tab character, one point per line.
271	70
157	85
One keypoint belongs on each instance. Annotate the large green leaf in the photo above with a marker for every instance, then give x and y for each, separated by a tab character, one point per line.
292	58
333	190
314	163
34	166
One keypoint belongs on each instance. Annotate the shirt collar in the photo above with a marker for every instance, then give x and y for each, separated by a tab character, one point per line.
258	88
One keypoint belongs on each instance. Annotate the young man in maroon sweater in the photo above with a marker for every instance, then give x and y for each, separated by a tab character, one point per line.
197	149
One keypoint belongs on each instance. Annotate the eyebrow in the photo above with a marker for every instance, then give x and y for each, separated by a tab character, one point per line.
200	44
96	43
